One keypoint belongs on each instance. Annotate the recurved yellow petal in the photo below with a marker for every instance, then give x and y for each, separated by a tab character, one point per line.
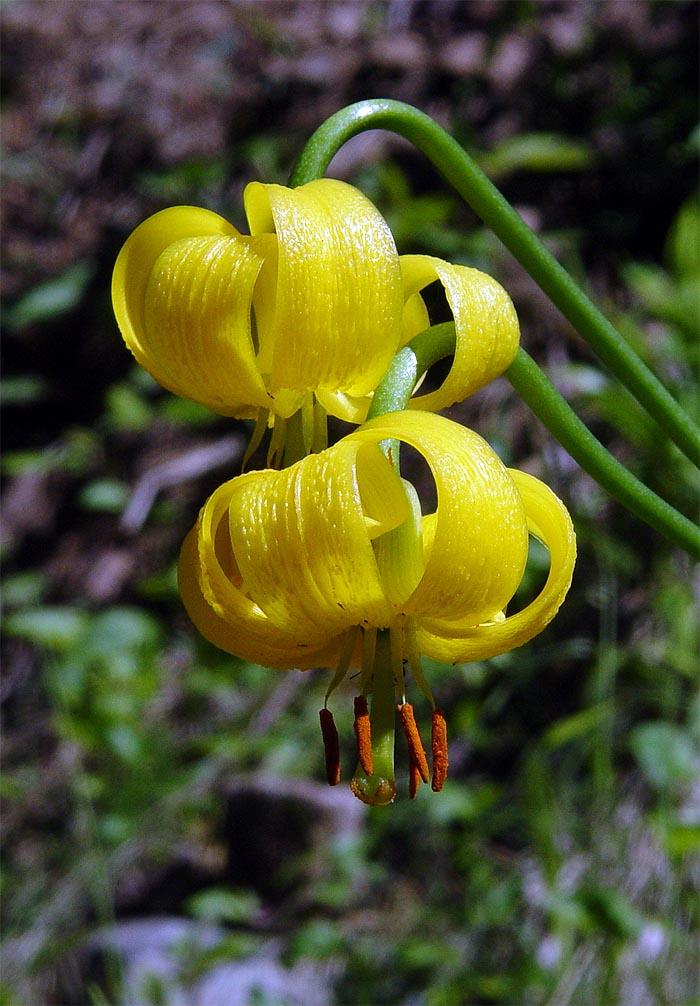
549	521
236	624
476	545
182	291
415	317
353	409
399	554
303	542
486	326
286	558
338	301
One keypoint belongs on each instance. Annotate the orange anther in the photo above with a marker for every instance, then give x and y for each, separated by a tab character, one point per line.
414	779
331	746
363	735
416	750
439	745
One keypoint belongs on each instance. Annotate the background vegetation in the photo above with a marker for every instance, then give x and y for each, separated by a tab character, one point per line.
167	835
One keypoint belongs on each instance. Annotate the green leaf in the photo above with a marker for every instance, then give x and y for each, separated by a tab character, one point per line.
219	904
682	839
123	630
160	585
673	300
51	299
180	183
24	589
463	804
126	409
22	390
539	152
125	743
10	787
610	910
682	250
185	413
67	682
56	628
578	725
21	462
104	496
317	939
665	753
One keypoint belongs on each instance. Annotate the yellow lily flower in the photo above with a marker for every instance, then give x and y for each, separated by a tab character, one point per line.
302	316
300	568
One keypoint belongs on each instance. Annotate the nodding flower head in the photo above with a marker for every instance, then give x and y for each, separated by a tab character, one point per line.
331	562
301	317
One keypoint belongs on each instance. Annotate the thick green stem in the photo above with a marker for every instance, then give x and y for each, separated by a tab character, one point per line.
379	788
550	408
457	167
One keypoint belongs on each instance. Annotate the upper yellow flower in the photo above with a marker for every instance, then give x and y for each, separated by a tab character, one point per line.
299	568
306	311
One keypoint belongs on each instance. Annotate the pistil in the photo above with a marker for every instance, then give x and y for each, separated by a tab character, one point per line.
379	787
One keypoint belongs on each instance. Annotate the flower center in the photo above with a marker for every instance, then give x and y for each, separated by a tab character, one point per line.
304	432
382	679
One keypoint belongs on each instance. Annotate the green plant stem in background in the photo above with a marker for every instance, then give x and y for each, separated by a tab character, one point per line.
551	408
458	168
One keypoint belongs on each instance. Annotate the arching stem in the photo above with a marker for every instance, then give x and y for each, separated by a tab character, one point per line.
458	168
551	408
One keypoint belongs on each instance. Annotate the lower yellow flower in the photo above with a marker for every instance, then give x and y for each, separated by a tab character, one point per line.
330	561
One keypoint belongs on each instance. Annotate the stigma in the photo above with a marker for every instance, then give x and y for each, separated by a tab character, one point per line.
374	725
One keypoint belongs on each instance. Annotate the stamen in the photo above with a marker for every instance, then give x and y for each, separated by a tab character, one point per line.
395	637
369	649
413	654
331	746
414	778
320	428
307	422
439	745
275	448
416	750
363	735
294	445
344	662
256	439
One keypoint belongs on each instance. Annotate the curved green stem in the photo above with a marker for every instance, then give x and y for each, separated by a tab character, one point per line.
457	167
552	409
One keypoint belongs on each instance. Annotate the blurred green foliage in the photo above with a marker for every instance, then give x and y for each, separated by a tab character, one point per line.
559	863
573	760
